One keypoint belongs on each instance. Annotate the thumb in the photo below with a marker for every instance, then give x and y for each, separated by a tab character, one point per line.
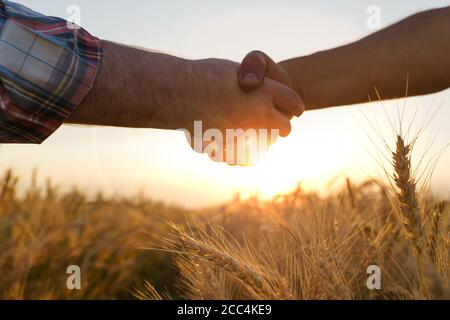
252	71
255	67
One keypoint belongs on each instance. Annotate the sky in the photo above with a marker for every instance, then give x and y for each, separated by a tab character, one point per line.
324	145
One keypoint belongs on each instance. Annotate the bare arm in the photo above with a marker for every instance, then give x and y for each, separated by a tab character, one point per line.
133	88
416	49
139	88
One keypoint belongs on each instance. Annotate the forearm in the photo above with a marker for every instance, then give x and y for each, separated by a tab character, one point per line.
417	49
139	88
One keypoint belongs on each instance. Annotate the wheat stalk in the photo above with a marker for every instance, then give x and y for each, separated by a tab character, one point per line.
406	194
434	234
222	261
436	238
150	293
225	262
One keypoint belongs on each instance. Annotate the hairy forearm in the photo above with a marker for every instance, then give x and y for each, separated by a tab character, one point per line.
416	50
139	88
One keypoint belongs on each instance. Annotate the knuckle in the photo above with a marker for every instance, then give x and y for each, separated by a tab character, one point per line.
266	90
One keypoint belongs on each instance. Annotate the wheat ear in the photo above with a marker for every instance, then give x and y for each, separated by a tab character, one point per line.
435	231
222	260
406	194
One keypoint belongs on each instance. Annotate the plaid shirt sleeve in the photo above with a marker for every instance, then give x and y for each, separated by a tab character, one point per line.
47	67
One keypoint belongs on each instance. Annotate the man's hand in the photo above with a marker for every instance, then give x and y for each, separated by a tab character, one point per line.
221	104
256	66
138	88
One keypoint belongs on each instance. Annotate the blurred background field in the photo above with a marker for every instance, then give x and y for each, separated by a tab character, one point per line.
296	246
44	232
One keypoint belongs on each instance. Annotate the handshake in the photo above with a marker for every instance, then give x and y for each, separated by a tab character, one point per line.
262	95
233	111
242	109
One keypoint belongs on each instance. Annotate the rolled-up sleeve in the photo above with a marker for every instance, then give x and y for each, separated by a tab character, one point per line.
47	67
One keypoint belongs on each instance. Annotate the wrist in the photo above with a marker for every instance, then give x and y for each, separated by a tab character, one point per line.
187	90
298	74
207	80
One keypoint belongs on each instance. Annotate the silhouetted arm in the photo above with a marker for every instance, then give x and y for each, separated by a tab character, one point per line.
414	51
417	48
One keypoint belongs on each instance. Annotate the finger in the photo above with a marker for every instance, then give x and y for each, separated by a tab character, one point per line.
255	67
279	121
286	100
274	71
252	71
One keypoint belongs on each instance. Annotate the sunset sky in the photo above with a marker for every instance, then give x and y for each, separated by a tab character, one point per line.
324	145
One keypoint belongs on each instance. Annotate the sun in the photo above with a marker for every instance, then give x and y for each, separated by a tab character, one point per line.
278	171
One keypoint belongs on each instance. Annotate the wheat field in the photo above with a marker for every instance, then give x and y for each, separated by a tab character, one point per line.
296	246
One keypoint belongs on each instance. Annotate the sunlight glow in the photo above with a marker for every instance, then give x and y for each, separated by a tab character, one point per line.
323	145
